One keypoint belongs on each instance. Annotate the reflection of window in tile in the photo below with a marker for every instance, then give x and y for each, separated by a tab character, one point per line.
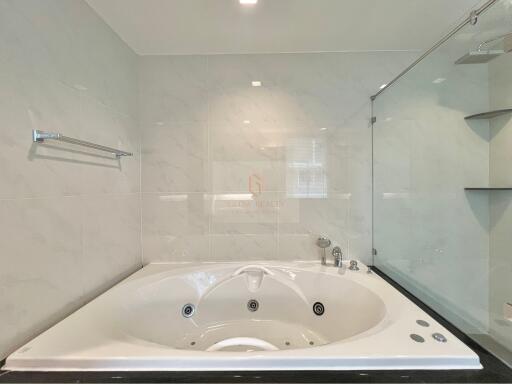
306	174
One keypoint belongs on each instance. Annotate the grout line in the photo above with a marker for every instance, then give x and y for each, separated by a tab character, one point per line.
53	197
139	125
372	159
141	223
209	167
282	53
490	247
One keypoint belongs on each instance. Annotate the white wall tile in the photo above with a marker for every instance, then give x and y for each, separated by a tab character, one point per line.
175	227
110	240
173	89
244	226
175	157
500	291
41	265
429	233
246	246
303	134
70	216
311	217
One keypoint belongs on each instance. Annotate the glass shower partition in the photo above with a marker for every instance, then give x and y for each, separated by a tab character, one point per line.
442	140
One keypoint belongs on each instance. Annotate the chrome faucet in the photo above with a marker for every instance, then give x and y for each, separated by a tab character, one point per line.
338	256
323	242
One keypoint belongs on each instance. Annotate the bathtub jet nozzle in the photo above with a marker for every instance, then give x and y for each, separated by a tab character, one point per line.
188	310
253	305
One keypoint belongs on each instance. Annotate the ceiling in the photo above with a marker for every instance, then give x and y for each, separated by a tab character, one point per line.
166	27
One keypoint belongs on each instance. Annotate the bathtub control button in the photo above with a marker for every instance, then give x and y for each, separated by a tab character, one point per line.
188	310
253	305
423	323
318	308
439	337
353	265
417	338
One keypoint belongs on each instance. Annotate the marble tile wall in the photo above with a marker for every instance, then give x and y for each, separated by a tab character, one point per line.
69	218
449	246
500	268
431	235
236	172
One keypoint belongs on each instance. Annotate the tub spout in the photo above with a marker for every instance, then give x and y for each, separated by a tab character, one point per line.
253	268
254	275
338	257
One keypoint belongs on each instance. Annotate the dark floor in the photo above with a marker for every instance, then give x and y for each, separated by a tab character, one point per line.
494	370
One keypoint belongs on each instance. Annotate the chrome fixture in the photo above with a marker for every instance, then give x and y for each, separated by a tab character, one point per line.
253	305
188	310
471	19
439	337
41	136
417	338
323	242
338	256
318	308
422	323
353	265
482	55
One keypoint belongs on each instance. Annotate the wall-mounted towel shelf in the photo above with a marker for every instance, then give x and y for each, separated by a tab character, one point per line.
488	189
41	136
489	115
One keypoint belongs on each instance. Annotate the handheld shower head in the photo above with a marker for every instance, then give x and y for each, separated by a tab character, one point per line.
323	242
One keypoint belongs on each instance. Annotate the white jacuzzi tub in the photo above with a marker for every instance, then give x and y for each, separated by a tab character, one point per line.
141	324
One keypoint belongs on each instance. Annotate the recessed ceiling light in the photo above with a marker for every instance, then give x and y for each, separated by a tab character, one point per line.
383	86
247	121
323	129
256	83
248	2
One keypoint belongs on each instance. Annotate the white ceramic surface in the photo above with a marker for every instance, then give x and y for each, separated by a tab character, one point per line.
302	140
69	217
138	324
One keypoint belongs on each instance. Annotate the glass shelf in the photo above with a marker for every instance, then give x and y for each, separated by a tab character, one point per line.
488	189
488	115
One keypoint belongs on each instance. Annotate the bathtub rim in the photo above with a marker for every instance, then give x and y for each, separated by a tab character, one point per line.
493	369
179	269
403	312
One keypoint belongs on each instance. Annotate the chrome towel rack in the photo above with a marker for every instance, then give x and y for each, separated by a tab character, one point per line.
41	136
